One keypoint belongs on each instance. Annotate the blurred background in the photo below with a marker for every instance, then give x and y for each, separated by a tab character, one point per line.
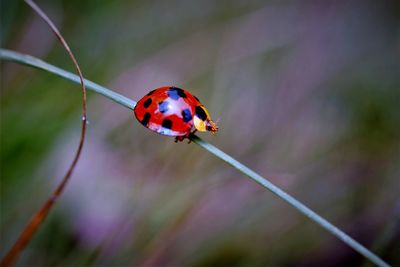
307	93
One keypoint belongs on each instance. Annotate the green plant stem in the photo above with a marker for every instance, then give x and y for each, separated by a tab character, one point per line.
126	102
40	64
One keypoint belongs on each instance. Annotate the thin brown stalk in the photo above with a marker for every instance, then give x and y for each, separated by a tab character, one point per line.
37	219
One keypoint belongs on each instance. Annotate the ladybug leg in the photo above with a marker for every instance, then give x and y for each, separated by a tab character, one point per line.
190	136
180	138
183	137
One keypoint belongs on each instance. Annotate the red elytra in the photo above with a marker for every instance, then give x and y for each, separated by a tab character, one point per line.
174	112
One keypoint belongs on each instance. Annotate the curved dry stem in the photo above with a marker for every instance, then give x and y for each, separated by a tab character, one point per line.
37	219
37	63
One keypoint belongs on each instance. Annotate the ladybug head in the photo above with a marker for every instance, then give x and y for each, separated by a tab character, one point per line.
202	120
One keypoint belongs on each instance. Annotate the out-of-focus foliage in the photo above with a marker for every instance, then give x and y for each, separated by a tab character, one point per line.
307	93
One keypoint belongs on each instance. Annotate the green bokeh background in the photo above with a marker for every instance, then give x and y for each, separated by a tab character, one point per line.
307	93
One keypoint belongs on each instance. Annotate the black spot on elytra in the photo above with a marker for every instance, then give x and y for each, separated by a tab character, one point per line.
167	123
187	116
163	106
146	119
196	98
201	113
176	93
151	92
147	103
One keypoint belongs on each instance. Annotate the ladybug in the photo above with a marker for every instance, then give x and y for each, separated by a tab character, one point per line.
174	112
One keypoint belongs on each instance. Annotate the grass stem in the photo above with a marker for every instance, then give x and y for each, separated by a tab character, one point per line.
126	102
